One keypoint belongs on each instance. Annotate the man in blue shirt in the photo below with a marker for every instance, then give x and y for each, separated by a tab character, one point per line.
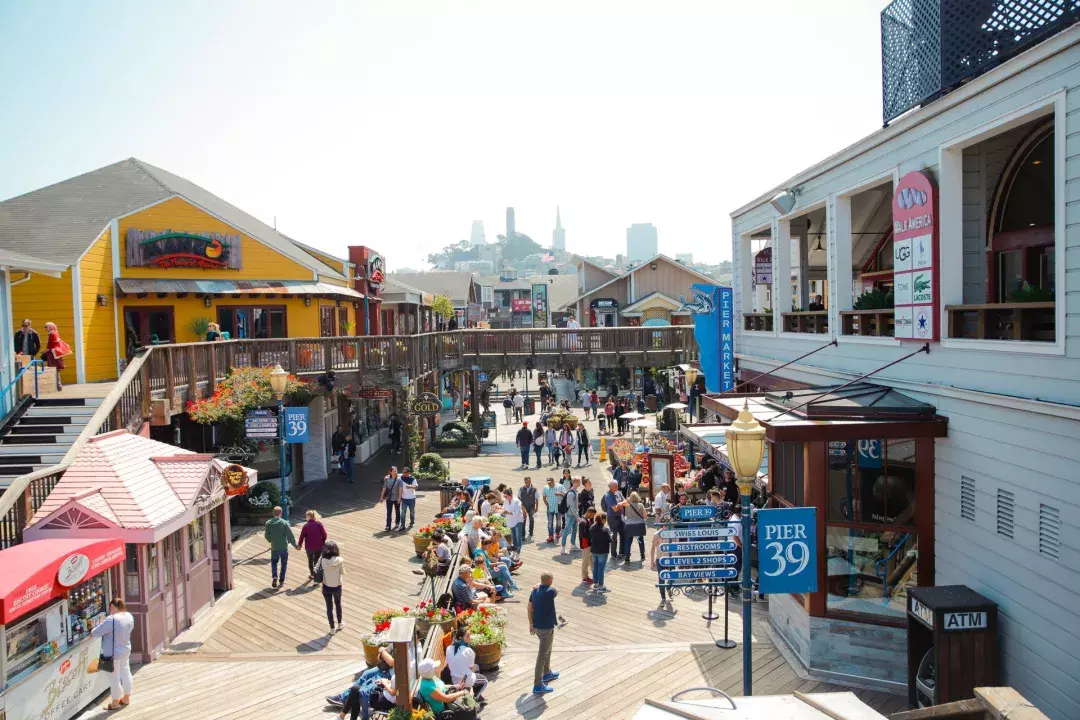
542	621
464	596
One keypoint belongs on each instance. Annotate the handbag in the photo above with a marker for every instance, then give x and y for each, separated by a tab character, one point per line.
62	349
104	663
319	575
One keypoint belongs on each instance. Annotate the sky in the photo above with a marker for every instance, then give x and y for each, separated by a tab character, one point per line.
395	123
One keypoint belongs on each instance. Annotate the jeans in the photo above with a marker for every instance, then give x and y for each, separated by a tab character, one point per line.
543	655
560	523
408	505
277	556
347	466
553	523
524	455
120	680
599	562
539	455
582	449
571	531
618	538
395	509
530	517
332	597
500	574
628	541
517	535
312	559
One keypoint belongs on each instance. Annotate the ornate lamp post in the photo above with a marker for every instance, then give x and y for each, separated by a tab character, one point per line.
279	379
745	447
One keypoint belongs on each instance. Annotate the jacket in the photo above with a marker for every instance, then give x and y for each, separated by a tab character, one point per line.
279	534
600	539
583	532
524	437
333	571
35	342
314	534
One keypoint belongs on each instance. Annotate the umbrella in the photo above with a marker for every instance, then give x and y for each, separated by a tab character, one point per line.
675	406
641	423
632	416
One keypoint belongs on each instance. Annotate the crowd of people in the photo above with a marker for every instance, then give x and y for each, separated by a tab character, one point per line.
28	344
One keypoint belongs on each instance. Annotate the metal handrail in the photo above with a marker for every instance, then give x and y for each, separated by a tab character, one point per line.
32	364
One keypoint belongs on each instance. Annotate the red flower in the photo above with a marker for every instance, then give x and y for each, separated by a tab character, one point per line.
423	604
483	622
405	609
431	613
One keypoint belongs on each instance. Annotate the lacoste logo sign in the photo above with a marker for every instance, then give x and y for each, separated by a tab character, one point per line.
921	283
910	197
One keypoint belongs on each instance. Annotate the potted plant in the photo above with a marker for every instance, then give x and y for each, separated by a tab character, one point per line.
487	629
199	327
427	614
431	467
372	642
348	349
398	713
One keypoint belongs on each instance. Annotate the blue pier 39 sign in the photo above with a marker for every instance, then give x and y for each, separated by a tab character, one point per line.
296	425
787	550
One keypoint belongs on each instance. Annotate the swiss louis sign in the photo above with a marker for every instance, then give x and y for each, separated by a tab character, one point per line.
915	258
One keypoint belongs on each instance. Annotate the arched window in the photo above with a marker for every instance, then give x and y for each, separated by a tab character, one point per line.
1020	234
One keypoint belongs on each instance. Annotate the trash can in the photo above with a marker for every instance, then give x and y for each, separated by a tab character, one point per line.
952	644
530	406
650	403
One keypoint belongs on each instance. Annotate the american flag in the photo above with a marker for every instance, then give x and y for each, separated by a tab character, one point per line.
548	257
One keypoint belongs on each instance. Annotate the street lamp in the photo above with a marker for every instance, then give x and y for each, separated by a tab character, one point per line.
279	379
691	378
745	448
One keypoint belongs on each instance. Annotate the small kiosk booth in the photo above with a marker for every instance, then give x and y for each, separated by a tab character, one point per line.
52	593
168	506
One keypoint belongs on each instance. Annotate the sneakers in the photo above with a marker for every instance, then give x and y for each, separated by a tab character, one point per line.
341	626
550	539
549	677
274	583
586	581
602	589
542	689
334	700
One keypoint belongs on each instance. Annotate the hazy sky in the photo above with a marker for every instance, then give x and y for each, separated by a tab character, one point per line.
395	123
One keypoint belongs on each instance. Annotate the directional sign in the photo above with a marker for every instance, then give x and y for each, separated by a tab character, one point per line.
787	550
698	512
697	560
699	547
709	574
699	533
261	423
296	425
482	377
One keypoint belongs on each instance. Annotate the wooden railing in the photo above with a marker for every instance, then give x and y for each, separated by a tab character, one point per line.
1034	321
867	323
760	322
806	321
176	374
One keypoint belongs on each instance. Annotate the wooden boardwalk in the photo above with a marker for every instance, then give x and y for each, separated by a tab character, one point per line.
268	654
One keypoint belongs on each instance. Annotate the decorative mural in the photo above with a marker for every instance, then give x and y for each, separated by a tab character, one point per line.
169	249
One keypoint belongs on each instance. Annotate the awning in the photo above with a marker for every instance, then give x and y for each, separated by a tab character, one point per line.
134	286
33	573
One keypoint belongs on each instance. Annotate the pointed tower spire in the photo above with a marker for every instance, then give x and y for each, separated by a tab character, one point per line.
558	219
558	237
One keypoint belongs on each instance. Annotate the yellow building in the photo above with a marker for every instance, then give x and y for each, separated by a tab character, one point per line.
151	258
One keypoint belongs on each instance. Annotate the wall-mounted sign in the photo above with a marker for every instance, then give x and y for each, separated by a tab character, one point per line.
374	393
427	405
604	304
540	305
73	570
375	275
234	479
787	550
296	425
915	258
727	340
763	267
209	251
521	306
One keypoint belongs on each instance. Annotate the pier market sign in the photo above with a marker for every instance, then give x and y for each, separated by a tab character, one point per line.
168	249
915	258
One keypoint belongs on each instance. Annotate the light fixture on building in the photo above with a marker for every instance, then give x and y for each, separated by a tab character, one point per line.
307	300
785	201
103	300
818	247
652	265
356	305
278	380
207	300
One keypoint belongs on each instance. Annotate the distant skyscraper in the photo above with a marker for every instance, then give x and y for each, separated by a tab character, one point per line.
510	229
476	237
558	236
641	242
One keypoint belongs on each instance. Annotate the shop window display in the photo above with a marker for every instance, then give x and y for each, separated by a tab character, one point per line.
87	605
870	571
131	571
196	541
35	642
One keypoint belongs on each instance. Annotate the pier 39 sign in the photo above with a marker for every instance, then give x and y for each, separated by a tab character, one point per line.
787	550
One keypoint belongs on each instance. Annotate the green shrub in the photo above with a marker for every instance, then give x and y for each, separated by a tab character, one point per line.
874	300
262	497
457	425
431	467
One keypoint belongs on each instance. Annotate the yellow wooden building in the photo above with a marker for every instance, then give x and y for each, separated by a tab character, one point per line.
151	258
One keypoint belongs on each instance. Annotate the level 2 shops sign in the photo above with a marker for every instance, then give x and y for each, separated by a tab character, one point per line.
915	258
207	251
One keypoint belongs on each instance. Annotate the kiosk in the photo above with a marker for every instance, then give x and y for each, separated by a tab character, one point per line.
52	593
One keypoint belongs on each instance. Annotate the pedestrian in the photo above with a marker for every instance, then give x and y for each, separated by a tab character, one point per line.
461	662
564	482
614	505
332	567
622	476
523	440
660	502
572	516
633	526
348	454
115	633
538	444
542	621
594	398
314	534
27	341
280	536
391	493
529	503
586	405
582	444
654	555
337	444
609	412
508	409
585	498
601	543
55	351
586	546
519	407
620	410
566	444
549	440
408	497
552	494
515	519
641	405
395	434
633	478
730	488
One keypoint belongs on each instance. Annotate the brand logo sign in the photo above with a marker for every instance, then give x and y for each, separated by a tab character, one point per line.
915	272
539	305
427	404
73	570
149	248
375	272
373	393
234	479
923	613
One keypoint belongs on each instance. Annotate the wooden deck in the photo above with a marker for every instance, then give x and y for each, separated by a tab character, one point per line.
267	653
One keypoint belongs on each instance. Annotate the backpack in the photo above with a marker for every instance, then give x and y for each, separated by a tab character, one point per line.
507	402
563	504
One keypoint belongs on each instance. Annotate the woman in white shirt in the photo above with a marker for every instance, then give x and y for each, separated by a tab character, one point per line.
515	519
461	662
115	634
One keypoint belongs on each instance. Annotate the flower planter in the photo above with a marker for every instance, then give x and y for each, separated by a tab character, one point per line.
570	421
420	545
555	423
488	656
423	626
371	655
465	452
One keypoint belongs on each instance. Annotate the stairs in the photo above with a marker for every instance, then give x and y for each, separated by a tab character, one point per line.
42	435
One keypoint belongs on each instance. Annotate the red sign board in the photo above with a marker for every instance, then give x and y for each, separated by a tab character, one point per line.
522	306
915	258
33	573
374	393
763	267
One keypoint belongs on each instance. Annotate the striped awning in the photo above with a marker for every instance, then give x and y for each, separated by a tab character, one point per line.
134	286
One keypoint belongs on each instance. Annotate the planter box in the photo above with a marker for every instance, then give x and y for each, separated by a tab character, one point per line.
420	545
487	656
458	452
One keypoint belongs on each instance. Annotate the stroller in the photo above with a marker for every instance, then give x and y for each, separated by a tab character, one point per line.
601	419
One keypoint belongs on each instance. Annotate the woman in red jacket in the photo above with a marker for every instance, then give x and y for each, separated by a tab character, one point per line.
55	350
314	534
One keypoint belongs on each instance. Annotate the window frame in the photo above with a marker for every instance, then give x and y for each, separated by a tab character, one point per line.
195	542
950	214
744	298
233	309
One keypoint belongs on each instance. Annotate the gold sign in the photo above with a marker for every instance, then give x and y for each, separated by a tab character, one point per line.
234	479
427	404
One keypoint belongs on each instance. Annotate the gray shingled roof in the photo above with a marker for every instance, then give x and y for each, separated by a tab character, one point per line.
59	222
451	283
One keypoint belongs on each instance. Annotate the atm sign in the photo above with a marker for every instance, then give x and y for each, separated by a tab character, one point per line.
965	621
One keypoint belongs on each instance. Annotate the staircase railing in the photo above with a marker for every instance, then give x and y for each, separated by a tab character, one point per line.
9	399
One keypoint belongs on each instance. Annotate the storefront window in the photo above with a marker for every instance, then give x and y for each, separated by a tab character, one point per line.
34	642
87	605
869	571
196	541
152	568
872	481
252	322
131	571
178	556
786	480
